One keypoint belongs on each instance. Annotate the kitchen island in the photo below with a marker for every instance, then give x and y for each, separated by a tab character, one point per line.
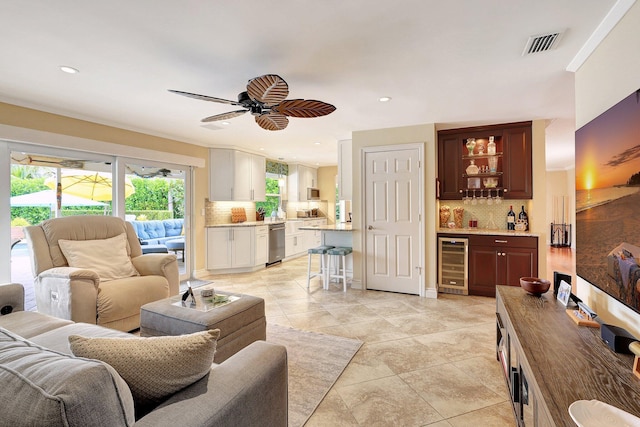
334	234
337	235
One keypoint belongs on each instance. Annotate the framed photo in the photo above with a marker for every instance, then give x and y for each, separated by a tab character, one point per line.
473	183
564	292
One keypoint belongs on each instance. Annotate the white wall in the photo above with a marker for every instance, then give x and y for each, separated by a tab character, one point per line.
611	73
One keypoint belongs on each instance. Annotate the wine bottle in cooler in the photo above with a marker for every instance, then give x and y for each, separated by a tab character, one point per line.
511	219
524	218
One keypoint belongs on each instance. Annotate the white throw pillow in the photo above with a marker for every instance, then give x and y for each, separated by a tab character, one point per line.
107	257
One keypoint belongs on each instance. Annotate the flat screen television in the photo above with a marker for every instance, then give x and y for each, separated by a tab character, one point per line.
608	201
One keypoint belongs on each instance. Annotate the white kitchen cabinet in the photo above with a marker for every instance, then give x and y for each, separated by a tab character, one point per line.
313	238
344	169
236	176
262	245
294	245
294	239
230	247
300	178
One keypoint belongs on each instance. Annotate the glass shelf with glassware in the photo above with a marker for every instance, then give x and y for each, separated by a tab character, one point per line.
483	157
482	196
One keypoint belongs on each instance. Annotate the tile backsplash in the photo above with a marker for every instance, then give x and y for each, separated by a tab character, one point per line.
483	212
220	212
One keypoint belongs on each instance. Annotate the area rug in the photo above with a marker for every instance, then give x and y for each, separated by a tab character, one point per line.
315	362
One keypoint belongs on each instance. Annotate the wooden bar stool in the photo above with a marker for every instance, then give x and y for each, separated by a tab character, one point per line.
338	257
323	272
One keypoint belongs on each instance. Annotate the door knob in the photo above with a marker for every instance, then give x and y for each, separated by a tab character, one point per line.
370	227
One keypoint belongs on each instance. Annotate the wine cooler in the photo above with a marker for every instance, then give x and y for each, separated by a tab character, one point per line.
453	255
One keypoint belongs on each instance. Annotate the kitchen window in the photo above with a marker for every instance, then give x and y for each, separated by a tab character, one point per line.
275	186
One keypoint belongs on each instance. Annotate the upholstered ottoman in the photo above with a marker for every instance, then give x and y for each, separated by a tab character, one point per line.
241	321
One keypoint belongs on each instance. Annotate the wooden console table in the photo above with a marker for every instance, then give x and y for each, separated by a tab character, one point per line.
550	362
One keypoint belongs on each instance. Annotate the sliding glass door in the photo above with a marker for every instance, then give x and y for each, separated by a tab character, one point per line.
44	182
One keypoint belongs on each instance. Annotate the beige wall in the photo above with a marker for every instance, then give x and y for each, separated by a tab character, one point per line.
33	119
611	73
425	134
327	185
538	207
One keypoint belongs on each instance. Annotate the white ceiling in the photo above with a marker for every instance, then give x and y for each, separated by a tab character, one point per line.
453	63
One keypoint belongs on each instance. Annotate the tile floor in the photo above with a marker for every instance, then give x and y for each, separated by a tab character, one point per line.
424	361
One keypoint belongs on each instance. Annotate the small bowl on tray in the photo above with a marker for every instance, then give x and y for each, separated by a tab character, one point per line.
534	285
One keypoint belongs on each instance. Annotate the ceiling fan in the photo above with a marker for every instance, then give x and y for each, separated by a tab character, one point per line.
265	99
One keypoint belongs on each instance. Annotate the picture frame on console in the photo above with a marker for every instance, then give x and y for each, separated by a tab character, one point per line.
564	292
608	200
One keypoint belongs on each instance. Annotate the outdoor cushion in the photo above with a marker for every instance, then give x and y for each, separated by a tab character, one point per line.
172	227
44	387
158	231
149	229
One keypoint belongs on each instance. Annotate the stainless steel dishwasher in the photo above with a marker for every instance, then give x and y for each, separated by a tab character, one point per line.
276	243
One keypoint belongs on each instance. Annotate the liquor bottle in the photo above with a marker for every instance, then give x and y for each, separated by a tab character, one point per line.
511	219
491	147
524	218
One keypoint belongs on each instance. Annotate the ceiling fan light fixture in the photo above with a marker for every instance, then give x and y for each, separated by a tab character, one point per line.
265	100
69	70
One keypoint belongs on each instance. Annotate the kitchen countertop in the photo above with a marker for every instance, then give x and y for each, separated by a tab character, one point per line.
259	223
485	232
245	224
330	227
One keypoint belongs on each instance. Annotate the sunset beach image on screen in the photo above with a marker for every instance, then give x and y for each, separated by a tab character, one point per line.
608	201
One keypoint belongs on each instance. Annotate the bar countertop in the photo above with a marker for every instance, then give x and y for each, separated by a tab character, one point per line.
487	232
330	227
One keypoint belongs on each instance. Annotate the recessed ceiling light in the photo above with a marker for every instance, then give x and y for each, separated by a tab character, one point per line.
261	148
384	99
317	143
69	70
225	123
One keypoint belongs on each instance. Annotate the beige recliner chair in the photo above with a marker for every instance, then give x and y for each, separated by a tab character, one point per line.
91	269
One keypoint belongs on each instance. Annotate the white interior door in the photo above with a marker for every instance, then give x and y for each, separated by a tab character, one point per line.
392	220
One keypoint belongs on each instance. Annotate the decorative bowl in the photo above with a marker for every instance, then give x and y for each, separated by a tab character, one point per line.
490	182
534	285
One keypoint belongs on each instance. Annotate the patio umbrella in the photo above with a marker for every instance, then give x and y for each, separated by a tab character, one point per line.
94	186
48	198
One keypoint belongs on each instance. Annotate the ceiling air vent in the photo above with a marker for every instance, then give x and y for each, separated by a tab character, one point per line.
542	43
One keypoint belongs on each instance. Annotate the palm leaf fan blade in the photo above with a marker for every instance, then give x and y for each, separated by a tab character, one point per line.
269	89
204	97
224	116
304	108
272	121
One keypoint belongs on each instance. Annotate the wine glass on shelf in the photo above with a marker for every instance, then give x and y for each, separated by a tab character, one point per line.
489	199
498	198
466	198
474	201
482	199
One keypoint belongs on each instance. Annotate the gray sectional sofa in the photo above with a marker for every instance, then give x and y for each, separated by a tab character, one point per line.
43	384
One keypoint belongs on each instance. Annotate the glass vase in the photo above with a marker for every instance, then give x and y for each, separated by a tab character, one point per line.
471	144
